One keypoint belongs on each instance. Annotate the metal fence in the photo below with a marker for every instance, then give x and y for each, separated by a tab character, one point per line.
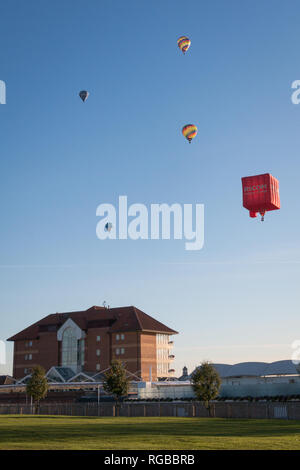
264	410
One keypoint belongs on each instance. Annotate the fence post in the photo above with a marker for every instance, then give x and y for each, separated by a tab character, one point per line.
288	410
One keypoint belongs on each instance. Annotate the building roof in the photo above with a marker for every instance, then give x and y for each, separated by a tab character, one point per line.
286	367
114	319
257	369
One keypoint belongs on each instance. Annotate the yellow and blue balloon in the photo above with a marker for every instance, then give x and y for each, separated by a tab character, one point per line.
189	131
183	43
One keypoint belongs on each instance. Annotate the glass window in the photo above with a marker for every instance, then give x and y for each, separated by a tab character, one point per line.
98	352
122	350
26	357
69	348
122	336
117	337
98	338
30	343
81	347
30	356
118	351
97	366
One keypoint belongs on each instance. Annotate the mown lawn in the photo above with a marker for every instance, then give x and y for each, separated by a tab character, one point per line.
68	432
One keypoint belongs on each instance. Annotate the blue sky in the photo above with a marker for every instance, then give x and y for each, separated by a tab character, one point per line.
236	299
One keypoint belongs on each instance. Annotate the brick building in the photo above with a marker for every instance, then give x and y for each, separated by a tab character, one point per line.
88	340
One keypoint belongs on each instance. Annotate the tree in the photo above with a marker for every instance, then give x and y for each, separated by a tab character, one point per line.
116	381
206	383
37	386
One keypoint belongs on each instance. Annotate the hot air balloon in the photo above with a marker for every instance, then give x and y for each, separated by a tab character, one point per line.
84	95
189	131
108	227
183	43
260	194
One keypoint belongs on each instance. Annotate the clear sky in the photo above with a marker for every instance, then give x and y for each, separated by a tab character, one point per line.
238	298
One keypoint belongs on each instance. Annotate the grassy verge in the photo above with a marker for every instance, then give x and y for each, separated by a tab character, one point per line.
67	432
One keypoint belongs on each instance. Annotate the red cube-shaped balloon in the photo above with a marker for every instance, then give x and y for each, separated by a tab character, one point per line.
260	194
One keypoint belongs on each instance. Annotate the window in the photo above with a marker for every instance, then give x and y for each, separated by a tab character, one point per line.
50	328
26	357
30	344
80	358
122	336
162	339
98	339
29	357
97	366
117	351
98	352
25	371
117	337
122	350
69	348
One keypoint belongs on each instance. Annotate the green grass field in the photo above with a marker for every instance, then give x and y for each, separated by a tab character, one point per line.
67	432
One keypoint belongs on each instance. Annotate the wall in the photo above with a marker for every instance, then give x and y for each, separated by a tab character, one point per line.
148	356
131	356
260	386
255	387
44	352
91	346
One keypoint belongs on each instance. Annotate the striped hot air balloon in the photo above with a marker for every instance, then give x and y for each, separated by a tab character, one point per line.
189	131
183	43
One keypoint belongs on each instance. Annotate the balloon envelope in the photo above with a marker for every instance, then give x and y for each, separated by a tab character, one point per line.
83	95
189	131
260	194
183	43
108	226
